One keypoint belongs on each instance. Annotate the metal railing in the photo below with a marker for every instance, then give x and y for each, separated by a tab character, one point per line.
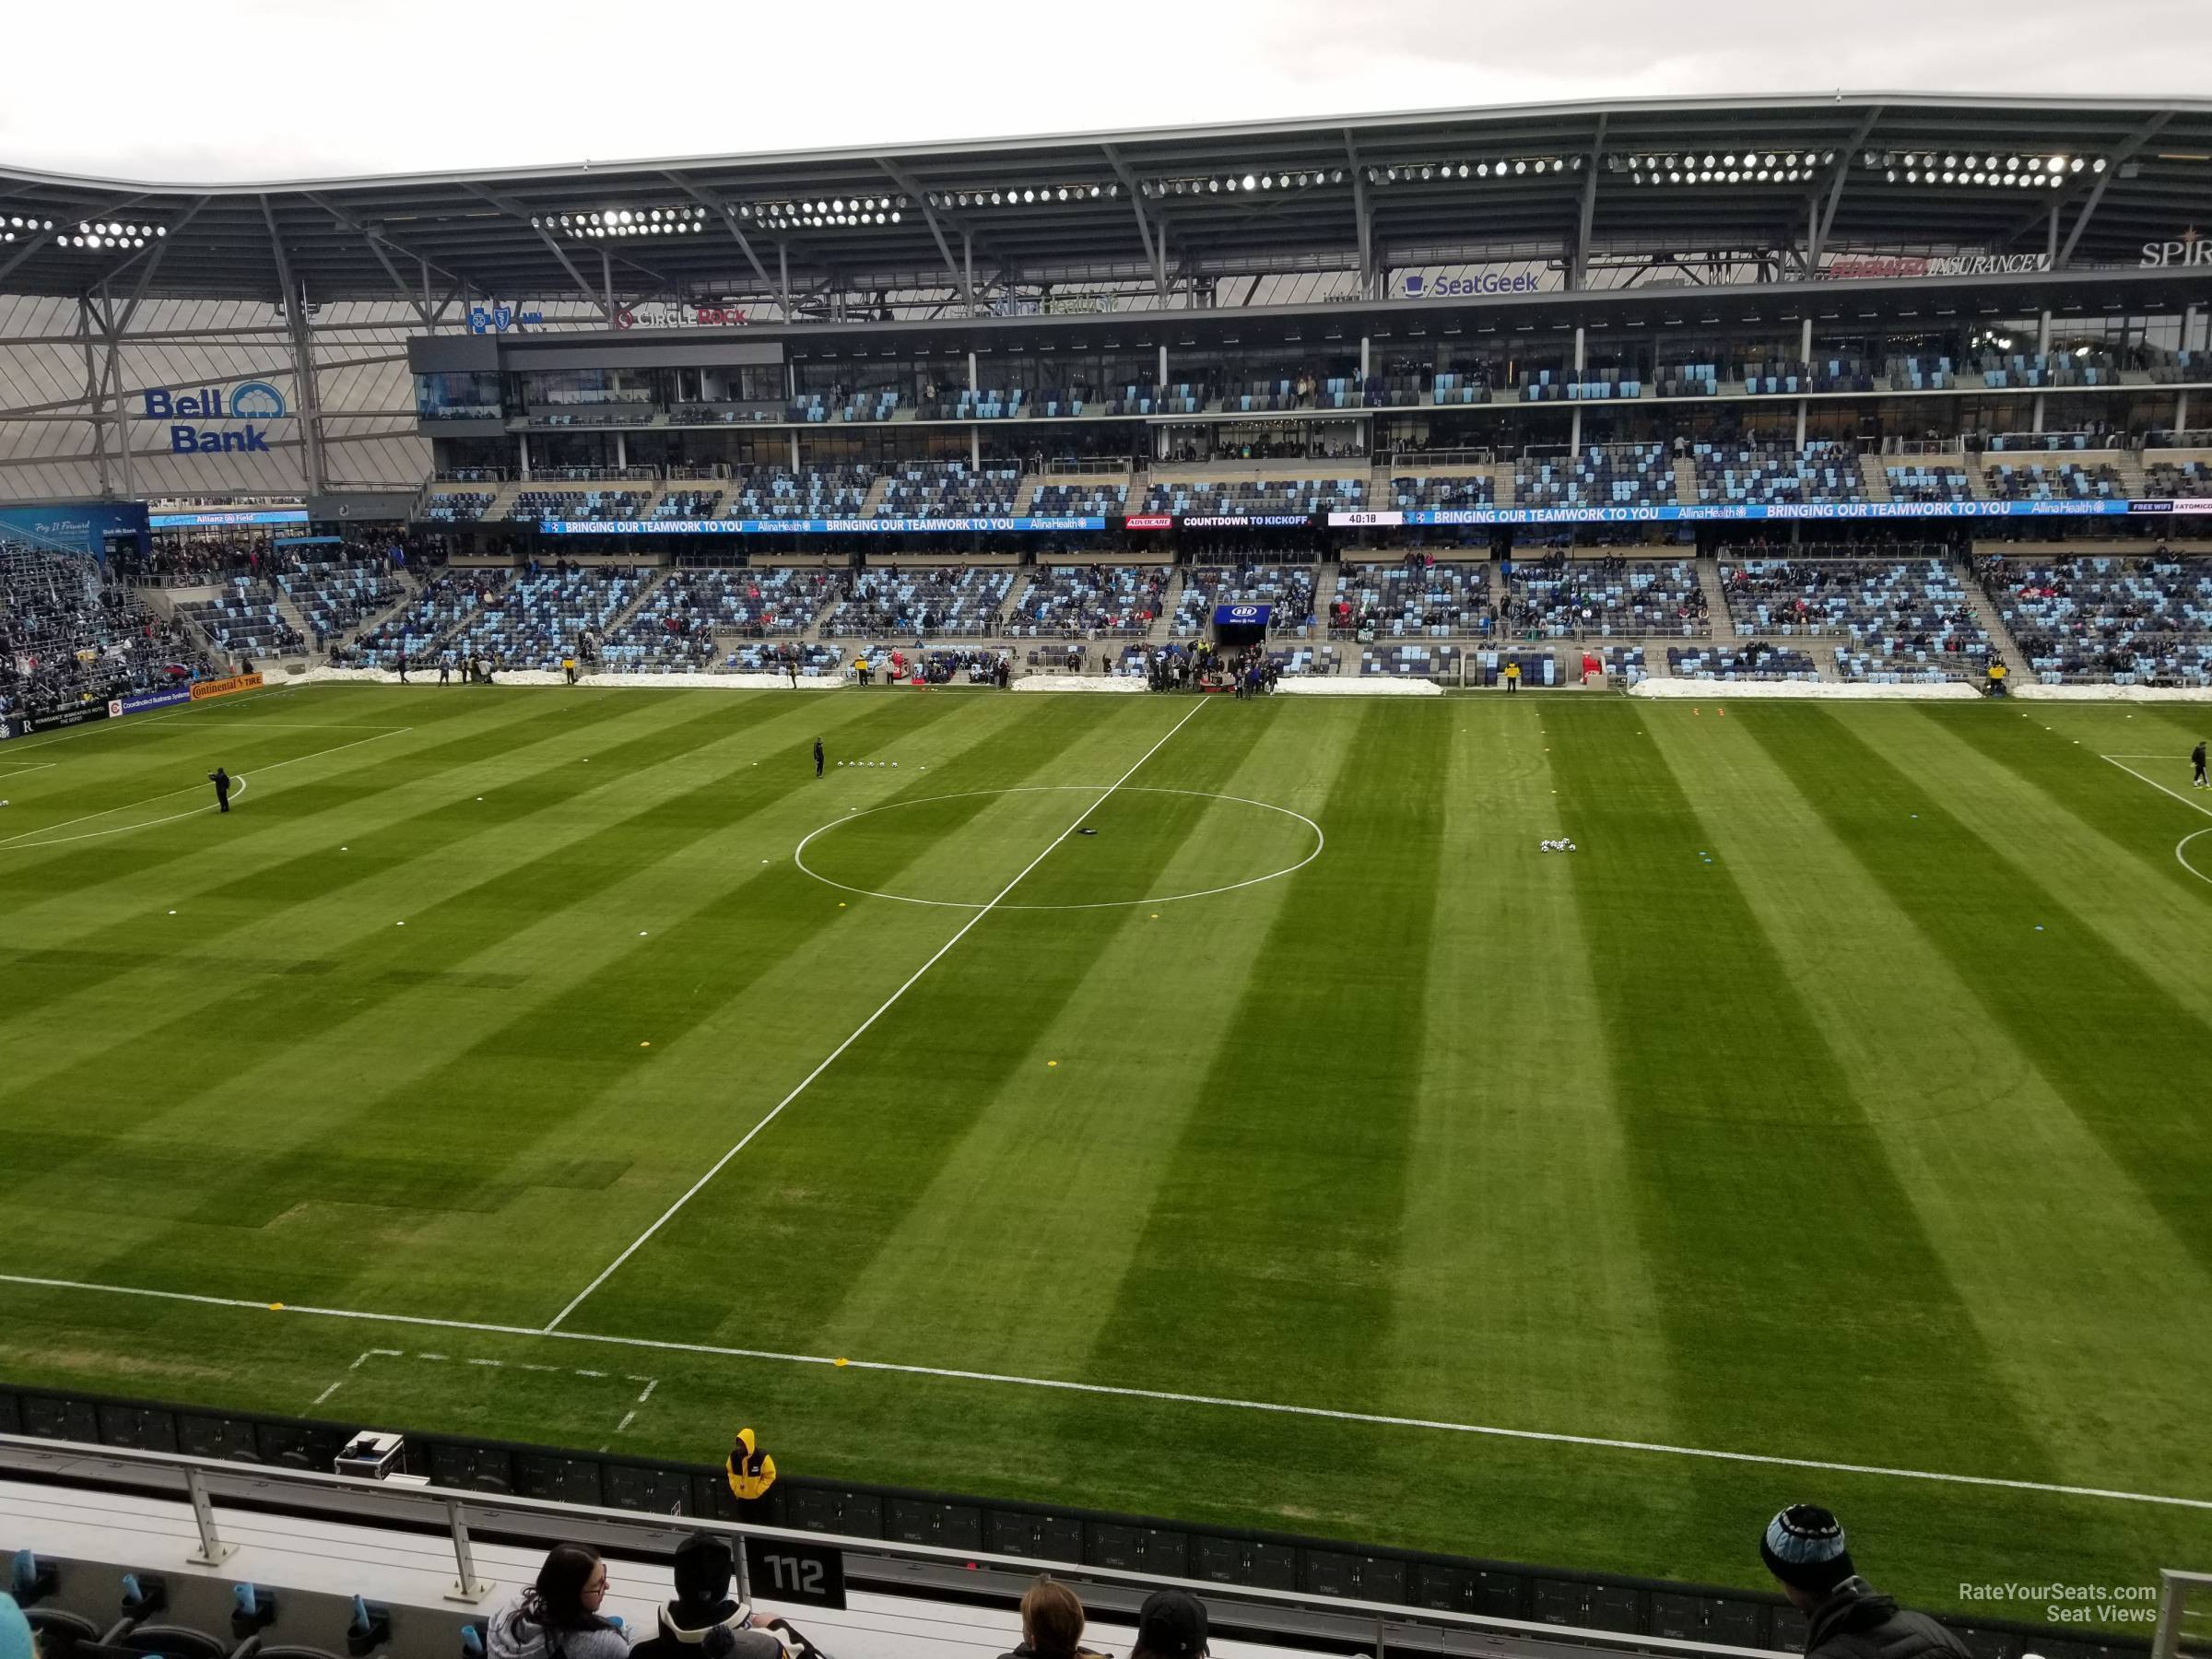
411	1505
2182	1628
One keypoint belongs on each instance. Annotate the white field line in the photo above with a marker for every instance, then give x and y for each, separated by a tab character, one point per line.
858	1032
125	829
368	1354
16	768
2181	848
1149	1395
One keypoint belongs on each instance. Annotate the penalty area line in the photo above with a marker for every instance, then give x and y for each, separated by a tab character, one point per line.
860	1031
1145	1395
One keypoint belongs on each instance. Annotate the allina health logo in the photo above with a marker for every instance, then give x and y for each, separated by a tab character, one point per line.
248	401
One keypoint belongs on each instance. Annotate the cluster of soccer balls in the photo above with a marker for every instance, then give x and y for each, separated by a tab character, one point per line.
1561	845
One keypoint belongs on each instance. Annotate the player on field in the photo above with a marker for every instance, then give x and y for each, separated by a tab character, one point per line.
817	758
2196	758
221	780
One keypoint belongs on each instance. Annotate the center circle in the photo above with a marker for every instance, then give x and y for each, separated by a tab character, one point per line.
1301	837
2181	852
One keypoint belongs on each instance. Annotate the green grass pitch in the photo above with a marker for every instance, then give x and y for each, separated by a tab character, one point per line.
1844	1098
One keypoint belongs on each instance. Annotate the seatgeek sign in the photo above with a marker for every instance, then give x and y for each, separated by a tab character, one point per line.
1478	282
240	409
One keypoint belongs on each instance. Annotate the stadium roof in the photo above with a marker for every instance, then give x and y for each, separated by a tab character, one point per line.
1651	176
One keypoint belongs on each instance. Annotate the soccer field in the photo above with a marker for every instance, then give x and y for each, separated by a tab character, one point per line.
1841	1101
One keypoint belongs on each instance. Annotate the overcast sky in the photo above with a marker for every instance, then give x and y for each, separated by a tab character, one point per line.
199	91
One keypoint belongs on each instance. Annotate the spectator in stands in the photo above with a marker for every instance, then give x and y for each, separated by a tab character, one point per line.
1171	1625
1804	1548
557	1617
17	1641
704	1606
1051	1624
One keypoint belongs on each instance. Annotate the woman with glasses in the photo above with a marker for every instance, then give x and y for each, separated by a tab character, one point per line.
557	1617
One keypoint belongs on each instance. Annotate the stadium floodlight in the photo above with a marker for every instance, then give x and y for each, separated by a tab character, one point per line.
1520	166
2057	164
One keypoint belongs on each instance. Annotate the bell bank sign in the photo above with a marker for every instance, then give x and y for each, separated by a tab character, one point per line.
246	404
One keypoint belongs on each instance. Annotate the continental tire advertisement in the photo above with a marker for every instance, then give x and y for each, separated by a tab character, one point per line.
224	687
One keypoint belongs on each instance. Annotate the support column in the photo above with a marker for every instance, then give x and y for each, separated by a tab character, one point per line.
2042	340
122	419
606	281
523	450
1163	368
621	452
968	274
975	447
2180	398
795	449
971	386
1574	430
93	395
1364	358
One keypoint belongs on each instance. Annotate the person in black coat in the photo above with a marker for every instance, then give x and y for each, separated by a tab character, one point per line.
818	757
704	1621
1804	1548
221	780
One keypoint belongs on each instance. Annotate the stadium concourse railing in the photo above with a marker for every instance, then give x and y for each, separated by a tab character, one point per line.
900	1541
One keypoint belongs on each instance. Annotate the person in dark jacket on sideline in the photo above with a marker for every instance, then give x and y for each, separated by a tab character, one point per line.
704	1614
818	757
1804	1548
221	780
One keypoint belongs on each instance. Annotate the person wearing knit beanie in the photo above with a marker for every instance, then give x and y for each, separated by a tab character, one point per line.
1804	1548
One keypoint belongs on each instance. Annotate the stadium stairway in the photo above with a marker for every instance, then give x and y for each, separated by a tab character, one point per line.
295	619
1502	485
1716	603
873	505
646	590
1985	612
1875	470
1686	481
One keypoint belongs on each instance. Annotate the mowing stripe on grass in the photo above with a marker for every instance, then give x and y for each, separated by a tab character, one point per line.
1282	1207
1045	1119
1765	1204
1973	1130
1163	1397
777	1110
189	789
387	1129
2123	1042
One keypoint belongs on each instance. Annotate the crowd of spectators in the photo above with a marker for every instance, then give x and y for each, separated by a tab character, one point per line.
71	635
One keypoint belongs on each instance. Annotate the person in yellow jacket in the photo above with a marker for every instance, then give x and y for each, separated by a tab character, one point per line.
750	1471
1996	677
1512	675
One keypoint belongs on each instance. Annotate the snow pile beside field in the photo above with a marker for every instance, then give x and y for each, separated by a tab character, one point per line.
1329	684
2142	694
1079	682
1734	691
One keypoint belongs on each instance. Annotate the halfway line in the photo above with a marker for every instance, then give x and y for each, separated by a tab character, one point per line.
1155	1395
776	1111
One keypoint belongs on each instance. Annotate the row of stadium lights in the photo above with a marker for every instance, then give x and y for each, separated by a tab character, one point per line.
1030	196
625	221
2013	172
819	214
101	235
1772	167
